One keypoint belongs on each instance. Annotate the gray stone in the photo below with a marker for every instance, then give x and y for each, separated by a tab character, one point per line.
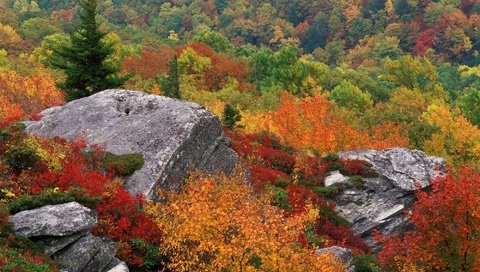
343	255
403	167
78	255
381	203
334	178
89	253
54	220
54	244
173	136
120	267
103	257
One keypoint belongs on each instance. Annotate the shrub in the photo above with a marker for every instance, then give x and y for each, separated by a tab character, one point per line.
356	167
150	255
357	180
51	197
123	165
280	198
366	263
21	158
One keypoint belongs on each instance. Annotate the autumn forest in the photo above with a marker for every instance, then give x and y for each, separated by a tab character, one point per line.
293	83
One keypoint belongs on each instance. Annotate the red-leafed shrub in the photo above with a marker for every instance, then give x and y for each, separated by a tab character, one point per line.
355	167
262	176
62	166
446	219
299	196
340	235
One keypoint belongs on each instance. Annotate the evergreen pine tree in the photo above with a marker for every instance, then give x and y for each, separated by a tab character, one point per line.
171	84
83	60
231	117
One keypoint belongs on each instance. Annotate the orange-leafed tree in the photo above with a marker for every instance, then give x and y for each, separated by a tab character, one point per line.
220	224
9	112
31	93
446	227
308	123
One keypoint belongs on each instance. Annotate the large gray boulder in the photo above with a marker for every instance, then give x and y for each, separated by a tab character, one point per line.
174	136
54	220
381	203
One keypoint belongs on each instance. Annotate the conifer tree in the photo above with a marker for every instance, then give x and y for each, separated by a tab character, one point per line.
84	59
171	84
231	117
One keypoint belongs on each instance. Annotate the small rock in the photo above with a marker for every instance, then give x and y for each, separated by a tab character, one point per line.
121	267
54	220
334	178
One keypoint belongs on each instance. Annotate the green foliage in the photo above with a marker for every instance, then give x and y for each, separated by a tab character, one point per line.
350	96
413	73
357	180
330	191
215	40
151	257
280	198
366	263
123	165
21	157
171	83
4	61
333	217
84	60
51	197
470	105
332	157
231	116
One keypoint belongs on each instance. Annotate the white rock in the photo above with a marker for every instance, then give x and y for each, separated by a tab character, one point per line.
334	178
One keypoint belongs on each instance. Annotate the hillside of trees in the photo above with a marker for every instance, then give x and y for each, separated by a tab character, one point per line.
292	81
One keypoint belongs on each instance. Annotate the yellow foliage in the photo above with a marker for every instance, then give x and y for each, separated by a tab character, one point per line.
218	223
33	93
457	140
52	157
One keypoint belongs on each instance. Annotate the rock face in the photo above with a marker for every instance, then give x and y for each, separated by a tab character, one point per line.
173	136
343	255
63	230
54	220
380	205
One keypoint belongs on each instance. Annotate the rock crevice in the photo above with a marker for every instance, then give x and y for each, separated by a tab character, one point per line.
64	231
381	203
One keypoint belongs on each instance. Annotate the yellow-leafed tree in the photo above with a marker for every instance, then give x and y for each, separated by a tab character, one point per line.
220	224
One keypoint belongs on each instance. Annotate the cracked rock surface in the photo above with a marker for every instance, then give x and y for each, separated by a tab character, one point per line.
381	203
174	136
64	231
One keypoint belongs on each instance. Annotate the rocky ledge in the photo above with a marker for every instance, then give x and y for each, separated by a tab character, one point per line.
174	136
64	231
381	202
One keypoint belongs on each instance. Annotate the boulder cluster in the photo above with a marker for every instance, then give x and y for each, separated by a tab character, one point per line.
381	202
64	231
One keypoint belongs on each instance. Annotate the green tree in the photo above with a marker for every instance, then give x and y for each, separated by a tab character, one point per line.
470	105
171	83
350	96
231	116
83	61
